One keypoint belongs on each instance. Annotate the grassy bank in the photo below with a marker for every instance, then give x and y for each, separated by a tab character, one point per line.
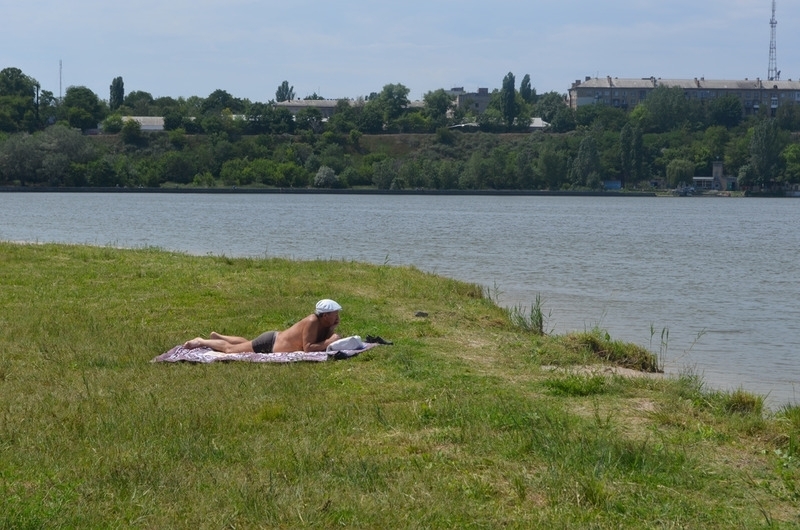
462	423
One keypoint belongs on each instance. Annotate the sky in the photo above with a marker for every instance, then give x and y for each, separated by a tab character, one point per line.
350	48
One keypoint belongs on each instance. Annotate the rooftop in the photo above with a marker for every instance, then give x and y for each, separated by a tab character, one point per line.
696	83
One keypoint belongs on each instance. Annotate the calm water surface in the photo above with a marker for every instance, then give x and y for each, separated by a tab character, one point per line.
721	274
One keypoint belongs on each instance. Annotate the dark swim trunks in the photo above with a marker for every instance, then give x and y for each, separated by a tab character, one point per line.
264	342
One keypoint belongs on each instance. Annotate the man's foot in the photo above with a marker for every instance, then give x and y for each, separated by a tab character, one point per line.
215	335
194	343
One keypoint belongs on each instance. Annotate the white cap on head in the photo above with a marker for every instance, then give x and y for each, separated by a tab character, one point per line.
327	306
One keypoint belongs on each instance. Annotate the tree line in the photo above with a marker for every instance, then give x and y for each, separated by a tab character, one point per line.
383	141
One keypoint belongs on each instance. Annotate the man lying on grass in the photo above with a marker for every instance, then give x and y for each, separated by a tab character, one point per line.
313	333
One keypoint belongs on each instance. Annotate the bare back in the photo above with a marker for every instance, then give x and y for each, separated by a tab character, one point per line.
307	335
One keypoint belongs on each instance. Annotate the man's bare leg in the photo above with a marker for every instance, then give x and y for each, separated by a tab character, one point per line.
214	342
228	338
219	345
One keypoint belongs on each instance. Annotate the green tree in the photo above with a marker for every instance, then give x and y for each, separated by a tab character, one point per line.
173	119
370	119
282	121
101	173
563	120
394	101
737	152
600	116
527	93
625	155
204	180
19	110
791	161
19	159
262	170
15	83
47	107
551	168
437	104
716	138
83	108
508	101
788	116
138	103
447	174
309	119
258	118
15	113
284	92
679	171
326	178
765	150
117	93
726	111
492	120
746	178
344	117
132	132
412	122
702	157
178	166
233	172
290	174
219	101
478	171
585	169
524	168
166	104
631	151
177	138
44	157
113	124
668	109
637	155
384	173
548	105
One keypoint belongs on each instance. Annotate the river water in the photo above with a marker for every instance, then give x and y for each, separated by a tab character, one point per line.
722	275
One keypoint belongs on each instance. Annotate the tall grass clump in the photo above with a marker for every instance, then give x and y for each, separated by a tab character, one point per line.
789	415
596	346
742	402
663	344
572	384
531	320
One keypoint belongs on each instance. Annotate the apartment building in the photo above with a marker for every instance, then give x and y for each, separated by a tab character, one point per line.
626	93
477	102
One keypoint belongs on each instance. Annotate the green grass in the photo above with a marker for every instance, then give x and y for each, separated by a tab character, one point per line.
454	426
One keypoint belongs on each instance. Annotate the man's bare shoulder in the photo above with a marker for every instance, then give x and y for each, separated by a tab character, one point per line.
304	323
295	337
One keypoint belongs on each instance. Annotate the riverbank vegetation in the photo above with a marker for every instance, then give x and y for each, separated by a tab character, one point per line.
383	141
473	418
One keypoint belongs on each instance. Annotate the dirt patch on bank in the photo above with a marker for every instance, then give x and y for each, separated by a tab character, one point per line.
600	369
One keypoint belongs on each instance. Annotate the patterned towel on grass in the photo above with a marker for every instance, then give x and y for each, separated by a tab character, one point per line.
207	355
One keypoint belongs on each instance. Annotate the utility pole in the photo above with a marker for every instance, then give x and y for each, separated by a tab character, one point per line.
773	73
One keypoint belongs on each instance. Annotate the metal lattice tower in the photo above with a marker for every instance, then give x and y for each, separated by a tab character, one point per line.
773	73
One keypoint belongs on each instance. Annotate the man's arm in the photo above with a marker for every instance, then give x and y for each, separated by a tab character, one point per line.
311	334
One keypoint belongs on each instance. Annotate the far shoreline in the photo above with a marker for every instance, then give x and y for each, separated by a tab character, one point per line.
237	190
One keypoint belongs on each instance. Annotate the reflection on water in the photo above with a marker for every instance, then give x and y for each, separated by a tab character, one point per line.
721	274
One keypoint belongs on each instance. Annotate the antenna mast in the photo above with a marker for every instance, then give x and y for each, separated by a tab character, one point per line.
773	73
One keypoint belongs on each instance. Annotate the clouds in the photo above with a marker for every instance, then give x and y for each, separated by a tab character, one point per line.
352	47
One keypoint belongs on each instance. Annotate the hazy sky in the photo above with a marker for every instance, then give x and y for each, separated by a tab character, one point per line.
349	48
